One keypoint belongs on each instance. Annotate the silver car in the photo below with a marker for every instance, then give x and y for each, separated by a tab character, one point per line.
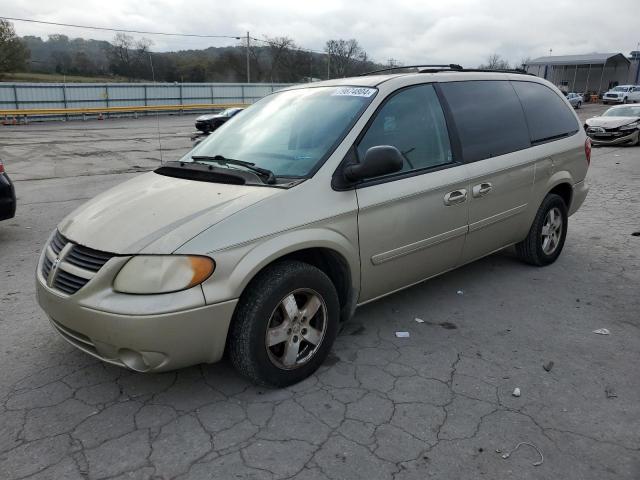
618	125
575	99
317	199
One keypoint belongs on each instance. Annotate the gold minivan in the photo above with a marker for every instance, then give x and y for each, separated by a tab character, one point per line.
319	198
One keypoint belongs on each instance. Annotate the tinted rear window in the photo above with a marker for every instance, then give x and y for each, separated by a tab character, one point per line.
488	117
547	115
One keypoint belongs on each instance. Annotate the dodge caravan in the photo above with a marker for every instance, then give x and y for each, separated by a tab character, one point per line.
319	198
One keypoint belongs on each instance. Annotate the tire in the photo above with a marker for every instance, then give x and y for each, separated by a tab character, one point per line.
533	249
605	103
264	306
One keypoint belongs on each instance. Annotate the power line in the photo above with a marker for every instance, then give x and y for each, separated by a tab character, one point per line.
28	20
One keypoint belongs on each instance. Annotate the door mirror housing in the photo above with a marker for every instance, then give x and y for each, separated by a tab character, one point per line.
379	160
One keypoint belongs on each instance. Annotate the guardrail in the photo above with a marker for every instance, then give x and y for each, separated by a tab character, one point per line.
22	114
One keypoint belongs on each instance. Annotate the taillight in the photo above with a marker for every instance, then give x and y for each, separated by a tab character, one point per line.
1	167
587	150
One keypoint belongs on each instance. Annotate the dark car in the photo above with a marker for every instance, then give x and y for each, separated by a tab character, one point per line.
209	122
7	195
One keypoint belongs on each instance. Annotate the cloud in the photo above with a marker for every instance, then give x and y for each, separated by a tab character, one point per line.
411	31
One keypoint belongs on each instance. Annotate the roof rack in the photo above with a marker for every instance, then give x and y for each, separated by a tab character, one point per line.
450	66
501	70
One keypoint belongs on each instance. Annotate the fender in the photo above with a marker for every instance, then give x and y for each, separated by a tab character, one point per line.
237	266
562	176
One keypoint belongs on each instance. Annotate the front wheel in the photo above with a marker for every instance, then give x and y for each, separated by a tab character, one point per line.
547	233
284	325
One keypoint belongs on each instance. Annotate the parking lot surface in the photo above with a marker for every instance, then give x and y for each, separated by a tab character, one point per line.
436	405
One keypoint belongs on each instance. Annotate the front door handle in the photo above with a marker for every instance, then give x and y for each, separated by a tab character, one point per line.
481	190
457	196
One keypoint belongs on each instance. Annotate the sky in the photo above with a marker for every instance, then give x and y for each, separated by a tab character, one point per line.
409	31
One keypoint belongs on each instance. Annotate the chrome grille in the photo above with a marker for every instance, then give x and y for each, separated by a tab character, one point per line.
68	267
87	258
57	243
46	266
68	282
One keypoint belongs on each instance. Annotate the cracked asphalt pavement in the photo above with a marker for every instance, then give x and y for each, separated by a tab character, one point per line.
435	405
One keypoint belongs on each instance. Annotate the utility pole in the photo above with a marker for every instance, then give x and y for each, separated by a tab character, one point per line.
248	63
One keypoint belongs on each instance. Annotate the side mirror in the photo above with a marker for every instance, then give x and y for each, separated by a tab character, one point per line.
378	161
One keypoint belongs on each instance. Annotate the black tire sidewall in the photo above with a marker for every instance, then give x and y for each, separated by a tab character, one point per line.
551	201
254	312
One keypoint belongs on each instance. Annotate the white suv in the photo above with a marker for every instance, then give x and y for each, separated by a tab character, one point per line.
622	94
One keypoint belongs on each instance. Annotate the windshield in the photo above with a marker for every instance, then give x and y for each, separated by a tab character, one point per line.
229	112
621	89
290	132
628	111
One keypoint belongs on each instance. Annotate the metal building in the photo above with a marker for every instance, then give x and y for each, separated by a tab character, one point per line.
593	73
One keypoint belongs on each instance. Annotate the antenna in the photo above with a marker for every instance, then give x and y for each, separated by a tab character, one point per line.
153	77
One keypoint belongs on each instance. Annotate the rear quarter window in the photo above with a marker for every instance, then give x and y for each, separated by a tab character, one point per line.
488	117
548	116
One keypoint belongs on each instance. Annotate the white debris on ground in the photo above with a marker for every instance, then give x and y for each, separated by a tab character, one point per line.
602	331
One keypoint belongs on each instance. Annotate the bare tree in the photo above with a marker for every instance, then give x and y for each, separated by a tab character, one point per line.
13	53
495	62
524	61
128	56
344	56
280	51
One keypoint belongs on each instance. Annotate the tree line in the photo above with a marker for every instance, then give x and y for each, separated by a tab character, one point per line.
273	59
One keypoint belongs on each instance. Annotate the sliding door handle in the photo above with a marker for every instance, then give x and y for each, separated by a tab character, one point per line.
481	190
457	196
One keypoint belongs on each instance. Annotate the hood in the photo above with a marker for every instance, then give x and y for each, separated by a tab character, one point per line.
610	122
153	213
208	116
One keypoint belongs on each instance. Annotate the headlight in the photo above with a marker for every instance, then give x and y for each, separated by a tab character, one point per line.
149	274
630	126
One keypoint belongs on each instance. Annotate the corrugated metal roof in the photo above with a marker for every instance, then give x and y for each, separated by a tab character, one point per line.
589	58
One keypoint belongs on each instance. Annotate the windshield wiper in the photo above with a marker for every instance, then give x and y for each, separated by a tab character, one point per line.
266	174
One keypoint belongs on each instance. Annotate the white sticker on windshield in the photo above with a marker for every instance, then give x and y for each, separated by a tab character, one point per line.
355	91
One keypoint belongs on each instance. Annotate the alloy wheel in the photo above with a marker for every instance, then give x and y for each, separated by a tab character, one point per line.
296	329
551	231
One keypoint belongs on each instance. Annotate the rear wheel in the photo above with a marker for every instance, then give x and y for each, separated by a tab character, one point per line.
284	325
547	233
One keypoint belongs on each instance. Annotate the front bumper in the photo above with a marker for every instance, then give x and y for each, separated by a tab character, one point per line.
145	343
616	139
613	99
7	198
203	125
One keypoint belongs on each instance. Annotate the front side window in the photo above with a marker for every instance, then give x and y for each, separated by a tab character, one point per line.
547	115
488	117
290	132
411	120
